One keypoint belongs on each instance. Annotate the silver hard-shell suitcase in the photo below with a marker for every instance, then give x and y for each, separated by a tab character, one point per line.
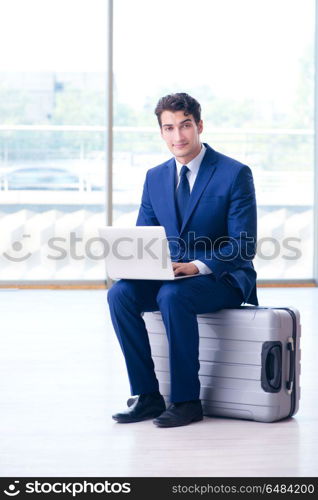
249	361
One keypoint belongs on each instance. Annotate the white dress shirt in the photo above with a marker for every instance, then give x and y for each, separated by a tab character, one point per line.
193	167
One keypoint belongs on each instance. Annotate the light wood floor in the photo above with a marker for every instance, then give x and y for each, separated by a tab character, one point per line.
62	376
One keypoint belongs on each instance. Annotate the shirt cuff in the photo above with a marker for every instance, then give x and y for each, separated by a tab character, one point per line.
203	268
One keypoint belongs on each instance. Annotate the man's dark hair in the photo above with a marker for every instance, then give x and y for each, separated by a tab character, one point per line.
179	102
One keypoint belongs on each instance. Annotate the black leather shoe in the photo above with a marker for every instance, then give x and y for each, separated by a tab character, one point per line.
180	414
144	407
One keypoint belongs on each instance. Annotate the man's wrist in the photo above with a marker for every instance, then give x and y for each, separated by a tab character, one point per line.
203	268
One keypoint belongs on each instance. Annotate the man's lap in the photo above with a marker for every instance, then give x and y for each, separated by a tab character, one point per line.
203	292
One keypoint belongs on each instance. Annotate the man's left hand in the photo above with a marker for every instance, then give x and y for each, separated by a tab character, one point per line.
184	268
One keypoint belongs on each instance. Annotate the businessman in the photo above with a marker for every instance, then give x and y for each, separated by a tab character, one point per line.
206	203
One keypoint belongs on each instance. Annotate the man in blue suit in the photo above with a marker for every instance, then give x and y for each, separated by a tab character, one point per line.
206	202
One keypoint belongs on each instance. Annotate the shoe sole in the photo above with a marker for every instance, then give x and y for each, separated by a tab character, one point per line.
119	421
160	424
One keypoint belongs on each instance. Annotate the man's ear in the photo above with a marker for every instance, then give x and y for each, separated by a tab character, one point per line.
200	126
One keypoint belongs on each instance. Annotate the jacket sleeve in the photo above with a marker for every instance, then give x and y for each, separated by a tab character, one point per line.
146	215
239	245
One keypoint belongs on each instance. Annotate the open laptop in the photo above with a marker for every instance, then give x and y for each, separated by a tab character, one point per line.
140	252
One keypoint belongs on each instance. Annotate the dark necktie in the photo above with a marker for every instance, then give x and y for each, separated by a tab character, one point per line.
182	194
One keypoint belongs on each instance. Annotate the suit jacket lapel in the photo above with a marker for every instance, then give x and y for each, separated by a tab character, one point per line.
205	173
170	186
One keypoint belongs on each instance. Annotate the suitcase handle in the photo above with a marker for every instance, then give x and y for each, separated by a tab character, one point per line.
274	367
271	377
290	381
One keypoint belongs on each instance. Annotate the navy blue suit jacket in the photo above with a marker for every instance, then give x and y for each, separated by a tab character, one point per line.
220	223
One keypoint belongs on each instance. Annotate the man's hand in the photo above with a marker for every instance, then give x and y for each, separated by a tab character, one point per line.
184	268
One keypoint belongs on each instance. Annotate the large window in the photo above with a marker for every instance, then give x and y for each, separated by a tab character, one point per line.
251	65
52	138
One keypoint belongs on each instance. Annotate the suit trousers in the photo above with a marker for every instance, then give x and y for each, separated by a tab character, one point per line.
179	302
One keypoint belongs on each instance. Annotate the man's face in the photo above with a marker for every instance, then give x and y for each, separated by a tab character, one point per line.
181	134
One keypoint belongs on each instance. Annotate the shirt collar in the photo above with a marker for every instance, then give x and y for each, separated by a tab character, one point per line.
194	164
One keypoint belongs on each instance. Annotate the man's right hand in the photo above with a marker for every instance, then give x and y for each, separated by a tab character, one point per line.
184	268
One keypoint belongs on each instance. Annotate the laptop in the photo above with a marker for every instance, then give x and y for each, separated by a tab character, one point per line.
140	252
